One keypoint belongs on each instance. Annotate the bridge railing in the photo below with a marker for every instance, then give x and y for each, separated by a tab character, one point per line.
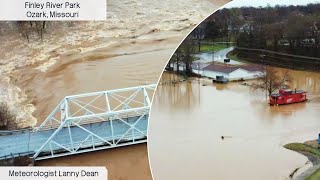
121	102
106	119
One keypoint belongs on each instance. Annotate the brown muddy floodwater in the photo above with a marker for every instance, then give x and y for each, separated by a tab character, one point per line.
191	118
122	163
131	48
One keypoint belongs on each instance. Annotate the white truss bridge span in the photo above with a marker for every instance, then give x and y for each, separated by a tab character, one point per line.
84	123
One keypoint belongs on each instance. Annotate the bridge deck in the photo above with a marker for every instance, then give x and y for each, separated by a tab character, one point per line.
25	142
85	122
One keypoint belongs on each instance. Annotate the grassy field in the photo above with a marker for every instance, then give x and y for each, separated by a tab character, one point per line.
299	147
210	48
310	149
314	176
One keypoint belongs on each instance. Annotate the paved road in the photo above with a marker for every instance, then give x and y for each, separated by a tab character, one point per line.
219	56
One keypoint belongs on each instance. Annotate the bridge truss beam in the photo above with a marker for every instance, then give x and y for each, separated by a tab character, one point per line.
94	121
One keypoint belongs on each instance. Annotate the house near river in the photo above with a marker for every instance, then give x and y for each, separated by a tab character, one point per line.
223	71
231	73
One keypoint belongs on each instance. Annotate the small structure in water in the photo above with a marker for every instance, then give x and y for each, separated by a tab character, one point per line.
230	72
220	79
287	96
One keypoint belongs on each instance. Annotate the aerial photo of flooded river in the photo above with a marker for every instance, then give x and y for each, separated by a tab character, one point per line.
129	49
211	108
191	118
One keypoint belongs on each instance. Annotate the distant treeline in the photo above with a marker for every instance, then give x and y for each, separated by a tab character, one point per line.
288	29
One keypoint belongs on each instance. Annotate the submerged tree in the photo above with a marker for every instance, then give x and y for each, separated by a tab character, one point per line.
271	79
176	58
188	49
184	56
7	118
27	28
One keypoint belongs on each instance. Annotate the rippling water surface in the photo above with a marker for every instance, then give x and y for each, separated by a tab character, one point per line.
191	118
129	49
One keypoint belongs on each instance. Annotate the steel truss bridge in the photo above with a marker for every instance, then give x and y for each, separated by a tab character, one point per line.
84	123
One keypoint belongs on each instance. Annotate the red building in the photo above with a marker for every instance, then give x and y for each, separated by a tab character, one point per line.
286	96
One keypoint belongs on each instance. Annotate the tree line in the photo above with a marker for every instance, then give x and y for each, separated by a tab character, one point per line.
183	57
287	29
290	29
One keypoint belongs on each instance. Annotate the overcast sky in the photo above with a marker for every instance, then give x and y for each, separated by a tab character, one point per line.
263	3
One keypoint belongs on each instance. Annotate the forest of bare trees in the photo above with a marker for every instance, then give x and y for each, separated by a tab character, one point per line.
289	29
183	57
28	27
32	31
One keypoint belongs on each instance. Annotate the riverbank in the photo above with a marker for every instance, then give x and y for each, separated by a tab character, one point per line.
273	58
311	150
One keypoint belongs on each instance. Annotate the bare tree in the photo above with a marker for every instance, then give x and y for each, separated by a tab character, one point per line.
25	29
28	28
271	79
188	49
40	27
7	118
176	58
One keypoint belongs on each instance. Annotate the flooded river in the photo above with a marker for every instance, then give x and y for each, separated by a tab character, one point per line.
129	162
129	49
191	118
219	56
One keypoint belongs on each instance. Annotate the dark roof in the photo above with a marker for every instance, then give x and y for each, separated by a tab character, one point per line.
221	68
198	66
229	69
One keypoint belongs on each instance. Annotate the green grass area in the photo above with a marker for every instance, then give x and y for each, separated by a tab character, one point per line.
210	48
314	176
306	149
299	147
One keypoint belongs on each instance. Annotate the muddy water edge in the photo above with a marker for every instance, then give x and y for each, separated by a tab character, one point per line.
130	49
191	117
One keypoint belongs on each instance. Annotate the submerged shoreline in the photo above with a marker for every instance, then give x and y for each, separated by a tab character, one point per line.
309	149
259	134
